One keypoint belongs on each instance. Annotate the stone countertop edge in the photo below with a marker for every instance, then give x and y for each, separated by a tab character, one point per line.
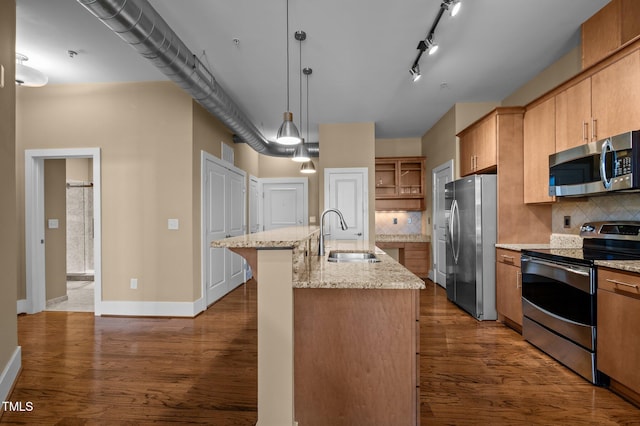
402	238
276	238
520	247
623	265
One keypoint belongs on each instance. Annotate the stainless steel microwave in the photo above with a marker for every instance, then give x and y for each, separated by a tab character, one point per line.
612	164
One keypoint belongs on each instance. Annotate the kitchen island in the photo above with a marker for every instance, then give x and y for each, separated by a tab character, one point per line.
351	329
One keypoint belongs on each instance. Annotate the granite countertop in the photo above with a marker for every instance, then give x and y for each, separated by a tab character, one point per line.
402	238
624	265
276	238
312	271
386	274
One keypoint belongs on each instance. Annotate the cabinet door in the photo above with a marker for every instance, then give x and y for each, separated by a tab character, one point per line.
485	149
508	286
386	178
601	34
573	116
539	143
467	152
618	346
615	97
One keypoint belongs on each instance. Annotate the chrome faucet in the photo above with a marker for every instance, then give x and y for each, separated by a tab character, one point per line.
343	225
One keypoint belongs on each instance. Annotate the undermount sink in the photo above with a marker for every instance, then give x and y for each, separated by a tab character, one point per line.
361	256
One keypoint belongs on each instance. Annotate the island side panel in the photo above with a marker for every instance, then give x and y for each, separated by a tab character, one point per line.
275	338
355	357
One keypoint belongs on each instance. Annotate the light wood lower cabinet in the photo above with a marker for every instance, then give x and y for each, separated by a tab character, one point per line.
357	355
509	288
413	256
618	339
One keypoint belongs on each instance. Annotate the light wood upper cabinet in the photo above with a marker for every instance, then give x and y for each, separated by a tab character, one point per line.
400	183
478	147
615	97
573	116
539	143
615	24
601	34
503	127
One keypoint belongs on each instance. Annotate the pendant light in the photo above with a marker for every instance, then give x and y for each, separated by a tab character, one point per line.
288	133
301	154
307	167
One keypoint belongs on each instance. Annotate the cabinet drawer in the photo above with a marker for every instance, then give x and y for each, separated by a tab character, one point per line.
617	281
510	257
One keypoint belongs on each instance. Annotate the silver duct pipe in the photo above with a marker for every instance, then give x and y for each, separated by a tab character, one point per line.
138	23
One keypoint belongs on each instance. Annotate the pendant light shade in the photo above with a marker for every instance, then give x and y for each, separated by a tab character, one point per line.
288	132
308	167
301	154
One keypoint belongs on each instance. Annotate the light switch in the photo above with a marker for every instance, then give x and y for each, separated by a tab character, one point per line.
54	224
312	219
174	224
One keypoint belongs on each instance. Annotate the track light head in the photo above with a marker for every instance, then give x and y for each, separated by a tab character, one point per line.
415	72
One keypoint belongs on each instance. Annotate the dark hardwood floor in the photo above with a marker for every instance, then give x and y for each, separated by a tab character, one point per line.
79	369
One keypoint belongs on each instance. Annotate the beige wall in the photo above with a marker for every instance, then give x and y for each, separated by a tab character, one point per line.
55	203
79	169
348	145
401	147
144	131
8	242
558	72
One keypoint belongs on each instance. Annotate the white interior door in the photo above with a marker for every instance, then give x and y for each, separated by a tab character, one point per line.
346	190
285	202
254	203
440	176
223	216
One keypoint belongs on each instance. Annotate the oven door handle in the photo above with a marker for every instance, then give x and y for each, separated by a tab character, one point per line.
555	266
577	277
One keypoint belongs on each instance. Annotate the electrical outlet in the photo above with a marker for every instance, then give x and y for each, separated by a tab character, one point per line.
134	283
395	220
409	220
567	221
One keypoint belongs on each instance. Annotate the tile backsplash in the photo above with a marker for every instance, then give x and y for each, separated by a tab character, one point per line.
406	223
605	207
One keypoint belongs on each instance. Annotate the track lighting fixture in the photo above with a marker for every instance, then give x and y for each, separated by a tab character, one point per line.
415	72
427	43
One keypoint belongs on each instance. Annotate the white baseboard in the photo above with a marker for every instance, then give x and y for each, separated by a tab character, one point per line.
22	306
10	374
150	309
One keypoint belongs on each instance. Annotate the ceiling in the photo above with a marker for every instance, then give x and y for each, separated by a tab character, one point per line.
360	52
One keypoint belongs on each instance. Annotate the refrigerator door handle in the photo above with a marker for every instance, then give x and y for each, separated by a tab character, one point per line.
455	215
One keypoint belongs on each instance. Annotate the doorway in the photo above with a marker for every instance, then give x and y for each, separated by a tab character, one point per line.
440	176
346	189
223	216
285	202
69	242
35	240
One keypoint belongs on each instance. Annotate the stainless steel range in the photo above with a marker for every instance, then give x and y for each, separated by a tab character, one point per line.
559	294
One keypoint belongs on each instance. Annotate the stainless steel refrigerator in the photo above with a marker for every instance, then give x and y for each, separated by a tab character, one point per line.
470	205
